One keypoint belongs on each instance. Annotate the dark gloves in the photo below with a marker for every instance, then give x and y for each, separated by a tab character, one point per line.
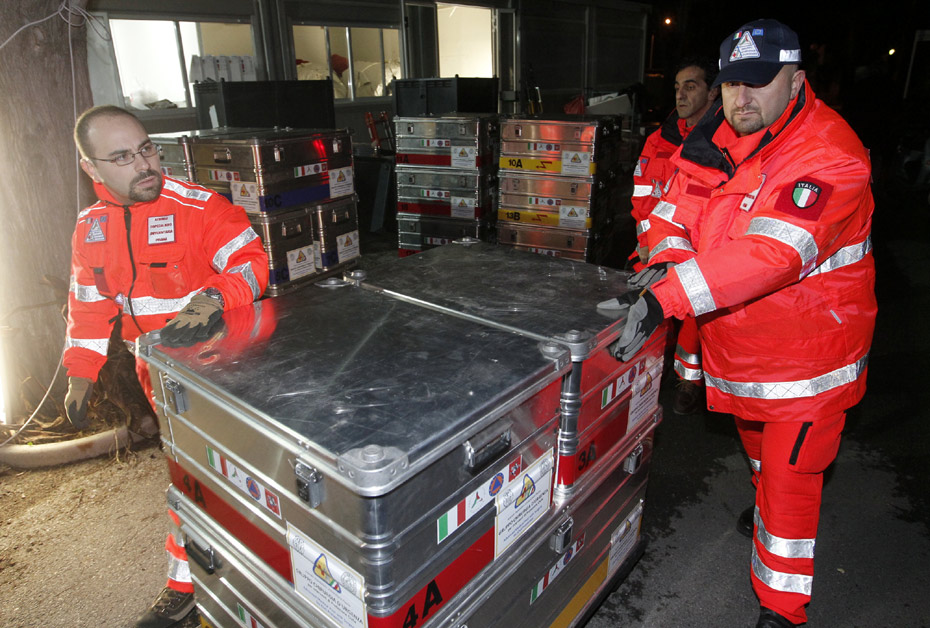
79	391
195	323
649	275
643	318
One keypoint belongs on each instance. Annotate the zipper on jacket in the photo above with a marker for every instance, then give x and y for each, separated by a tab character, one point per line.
127	218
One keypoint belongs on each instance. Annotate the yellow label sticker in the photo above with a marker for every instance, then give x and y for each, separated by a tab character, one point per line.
530	165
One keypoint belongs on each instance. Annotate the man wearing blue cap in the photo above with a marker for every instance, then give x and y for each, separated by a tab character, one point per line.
764	232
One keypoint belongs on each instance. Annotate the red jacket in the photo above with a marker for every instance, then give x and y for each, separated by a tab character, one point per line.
775	261
187	239
653	170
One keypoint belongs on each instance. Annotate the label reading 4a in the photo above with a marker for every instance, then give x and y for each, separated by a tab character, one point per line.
432	599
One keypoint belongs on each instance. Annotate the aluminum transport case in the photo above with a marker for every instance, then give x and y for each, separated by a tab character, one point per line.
176	149
571	145
308	243
575	245
417	233
275	169
467	141
445	192
444	440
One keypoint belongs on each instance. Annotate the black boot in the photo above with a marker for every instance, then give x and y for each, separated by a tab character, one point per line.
169	608
770	619
745	522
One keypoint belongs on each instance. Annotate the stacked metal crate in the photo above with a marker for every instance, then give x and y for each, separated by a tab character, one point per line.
558	178
492	473
446	176
296	186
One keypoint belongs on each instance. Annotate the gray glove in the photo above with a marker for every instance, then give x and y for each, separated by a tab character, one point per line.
649	275
195	323
79	391
623	302
643	318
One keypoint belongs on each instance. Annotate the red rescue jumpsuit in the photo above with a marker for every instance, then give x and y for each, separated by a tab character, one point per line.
777	267
144	262
653	171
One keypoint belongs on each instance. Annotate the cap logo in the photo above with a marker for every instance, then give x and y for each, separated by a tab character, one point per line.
745	48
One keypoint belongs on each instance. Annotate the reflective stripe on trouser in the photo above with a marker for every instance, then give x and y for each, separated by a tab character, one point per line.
688	352
791	458
179	572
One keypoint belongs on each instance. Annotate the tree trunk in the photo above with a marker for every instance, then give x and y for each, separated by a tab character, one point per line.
44	85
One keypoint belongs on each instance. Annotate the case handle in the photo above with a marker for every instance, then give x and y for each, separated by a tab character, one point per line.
486	446
222	156
208	560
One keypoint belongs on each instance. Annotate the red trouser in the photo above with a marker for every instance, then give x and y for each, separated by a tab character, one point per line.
179	575
788	461
688	352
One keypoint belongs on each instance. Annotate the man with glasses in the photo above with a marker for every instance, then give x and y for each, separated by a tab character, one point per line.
154	253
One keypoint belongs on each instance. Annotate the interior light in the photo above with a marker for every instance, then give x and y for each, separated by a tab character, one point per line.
891	52
668	21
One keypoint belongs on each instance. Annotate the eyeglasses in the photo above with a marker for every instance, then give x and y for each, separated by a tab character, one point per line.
126	158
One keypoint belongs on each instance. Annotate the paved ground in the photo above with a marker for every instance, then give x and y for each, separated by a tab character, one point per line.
82	545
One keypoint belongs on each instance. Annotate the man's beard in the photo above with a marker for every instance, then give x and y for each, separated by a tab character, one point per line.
146	195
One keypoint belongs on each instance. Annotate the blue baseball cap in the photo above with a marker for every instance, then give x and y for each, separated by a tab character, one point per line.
756	52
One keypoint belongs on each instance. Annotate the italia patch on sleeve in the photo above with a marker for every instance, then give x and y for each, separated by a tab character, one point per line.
805	198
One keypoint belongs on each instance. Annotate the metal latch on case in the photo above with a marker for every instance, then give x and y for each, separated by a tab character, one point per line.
309	484
485	446
634	460
176	396
562	537
278	153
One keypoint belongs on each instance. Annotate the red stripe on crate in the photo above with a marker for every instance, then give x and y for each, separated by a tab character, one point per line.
232	521
442	588
423	160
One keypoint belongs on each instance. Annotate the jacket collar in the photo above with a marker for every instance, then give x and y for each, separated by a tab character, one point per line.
699	146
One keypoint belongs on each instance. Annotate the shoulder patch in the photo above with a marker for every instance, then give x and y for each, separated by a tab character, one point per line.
698	190
640	166
805	198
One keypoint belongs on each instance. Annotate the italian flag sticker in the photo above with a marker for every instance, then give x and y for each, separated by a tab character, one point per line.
805	194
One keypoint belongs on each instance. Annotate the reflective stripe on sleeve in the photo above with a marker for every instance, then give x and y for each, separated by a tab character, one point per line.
778	580
147	306
692	280
675	243
226	251
85	294
194	193
97	345
641	190
757	467
666	211
845	256
786	548
790	390
642	227
794	236
249	275
687	373
690	358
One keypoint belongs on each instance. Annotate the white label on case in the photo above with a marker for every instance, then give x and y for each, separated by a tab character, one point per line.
464	156
330	585
523	502
347	246
624	538
645	395
573	217
300	262
245	195
463	207
341	182
575	162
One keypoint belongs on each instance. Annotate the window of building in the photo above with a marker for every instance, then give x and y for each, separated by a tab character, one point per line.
157	61
465	40
363	62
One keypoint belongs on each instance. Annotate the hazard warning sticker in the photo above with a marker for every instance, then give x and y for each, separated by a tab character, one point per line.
624	538
331	586
341	182
245	195
577	163
462	207
347	246
300	262
644	398
464	156
522	502
573	217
